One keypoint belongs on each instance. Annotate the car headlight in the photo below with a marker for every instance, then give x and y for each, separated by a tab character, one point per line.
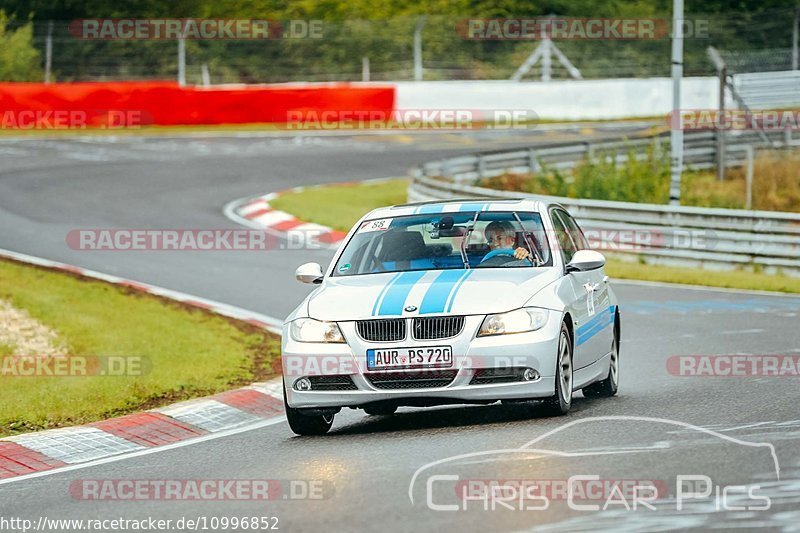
310	330
518	321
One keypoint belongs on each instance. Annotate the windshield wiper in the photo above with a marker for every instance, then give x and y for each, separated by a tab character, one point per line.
464	240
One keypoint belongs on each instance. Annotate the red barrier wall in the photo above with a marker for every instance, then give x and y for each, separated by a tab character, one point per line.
165	103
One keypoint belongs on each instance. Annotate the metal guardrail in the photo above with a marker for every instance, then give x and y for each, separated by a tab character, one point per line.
769	90
678	235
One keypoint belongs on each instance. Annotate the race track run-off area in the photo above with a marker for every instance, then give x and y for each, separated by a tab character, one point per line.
413	470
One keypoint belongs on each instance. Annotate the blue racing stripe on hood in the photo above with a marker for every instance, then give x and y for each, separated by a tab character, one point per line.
439	292
383	291
457	288
395	297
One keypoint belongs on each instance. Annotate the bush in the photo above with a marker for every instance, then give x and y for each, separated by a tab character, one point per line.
600	177
19	60
776	182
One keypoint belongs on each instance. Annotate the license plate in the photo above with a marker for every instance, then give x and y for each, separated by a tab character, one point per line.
424	357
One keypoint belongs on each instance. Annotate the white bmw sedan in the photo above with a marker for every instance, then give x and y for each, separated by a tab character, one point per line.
462	301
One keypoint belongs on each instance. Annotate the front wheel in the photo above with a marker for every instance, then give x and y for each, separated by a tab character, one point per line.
559	404
609	386
306	424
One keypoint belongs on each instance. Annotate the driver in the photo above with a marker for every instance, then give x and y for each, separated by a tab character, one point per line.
500	235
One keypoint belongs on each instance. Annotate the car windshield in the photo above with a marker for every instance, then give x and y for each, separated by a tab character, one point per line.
446	241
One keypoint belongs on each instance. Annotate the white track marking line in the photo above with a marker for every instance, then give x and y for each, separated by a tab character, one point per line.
208	414
272	218
75	445
273	324
681	286
148	451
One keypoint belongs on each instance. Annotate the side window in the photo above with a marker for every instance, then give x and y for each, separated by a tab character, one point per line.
574	230
562	235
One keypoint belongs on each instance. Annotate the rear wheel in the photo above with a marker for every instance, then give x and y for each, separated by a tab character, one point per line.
306	424
379	410
608	387
559	404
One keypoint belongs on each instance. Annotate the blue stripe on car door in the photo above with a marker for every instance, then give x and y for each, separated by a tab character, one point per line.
595	325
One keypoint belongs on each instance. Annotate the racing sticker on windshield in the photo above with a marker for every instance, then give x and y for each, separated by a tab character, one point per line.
375	225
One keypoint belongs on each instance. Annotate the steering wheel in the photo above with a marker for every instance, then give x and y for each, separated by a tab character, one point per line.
501	257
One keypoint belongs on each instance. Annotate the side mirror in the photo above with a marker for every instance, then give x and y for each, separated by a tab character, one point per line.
584	260
309	273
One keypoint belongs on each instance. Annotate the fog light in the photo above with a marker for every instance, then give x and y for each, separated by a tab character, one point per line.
302	384
530	375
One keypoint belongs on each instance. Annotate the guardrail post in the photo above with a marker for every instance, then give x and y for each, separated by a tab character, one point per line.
589	150
446	169
481	167
533	164
748	203
787	137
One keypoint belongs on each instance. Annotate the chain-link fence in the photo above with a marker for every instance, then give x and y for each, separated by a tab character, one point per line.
385	50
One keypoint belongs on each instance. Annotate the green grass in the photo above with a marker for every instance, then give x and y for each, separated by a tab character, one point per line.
189	352
736	279
340	206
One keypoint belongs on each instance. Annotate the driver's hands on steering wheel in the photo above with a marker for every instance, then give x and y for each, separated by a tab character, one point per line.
521	253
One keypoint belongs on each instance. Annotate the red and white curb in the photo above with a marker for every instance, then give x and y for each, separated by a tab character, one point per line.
32	453
256	213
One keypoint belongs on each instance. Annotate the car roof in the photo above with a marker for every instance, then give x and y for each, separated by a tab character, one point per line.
459	205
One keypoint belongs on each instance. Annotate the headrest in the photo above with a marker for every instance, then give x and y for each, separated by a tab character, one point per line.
403	246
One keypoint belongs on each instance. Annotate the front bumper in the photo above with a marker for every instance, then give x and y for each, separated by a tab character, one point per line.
536	350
